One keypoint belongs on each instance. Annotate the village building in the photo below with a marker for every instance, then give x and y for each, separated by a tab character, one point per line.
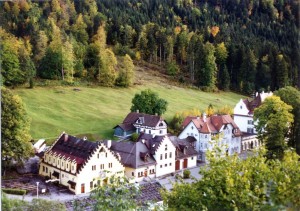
136	122
154	156
79	164
243	117
208	131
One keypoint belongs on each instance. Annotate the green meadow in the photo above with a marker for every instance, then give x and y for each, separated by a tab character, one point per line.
94	111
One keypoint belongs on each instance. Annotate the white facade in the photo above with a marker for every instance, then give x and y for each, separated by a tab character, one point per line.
205	141
160	129
243	118
97	170
165	157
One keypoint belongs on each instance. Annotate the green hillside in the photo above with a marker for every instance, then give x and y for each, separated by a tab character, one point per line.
96	110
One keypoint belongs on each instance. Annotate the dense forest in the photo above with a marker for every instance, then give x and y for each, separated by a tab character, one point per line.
242	45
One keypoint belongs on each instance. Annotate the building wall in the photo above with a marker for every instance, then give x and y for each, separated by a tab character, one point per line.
192	162
165	157
245	123
102	165
137	175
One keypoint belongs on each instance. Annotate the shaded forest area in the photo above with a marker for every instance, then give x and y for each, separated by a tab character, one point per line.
240	45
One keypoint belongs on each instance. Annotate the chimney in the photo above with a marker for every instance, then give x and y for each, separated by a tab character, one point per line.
204	116
137	111
66	137
108	144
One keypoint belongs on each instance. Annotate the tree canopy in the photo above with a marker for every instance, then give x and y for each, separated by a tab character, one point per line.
15	136
273	122
148	102
291	96
231	183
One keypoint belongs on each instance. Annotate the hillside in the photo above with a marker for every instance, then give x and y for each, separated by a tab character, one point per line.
94	111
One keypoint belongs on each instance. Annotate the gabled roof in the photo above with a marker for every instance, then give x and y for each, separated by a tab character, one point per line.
183	147
152	143
73	148
133	154
257	101
148	120
212	124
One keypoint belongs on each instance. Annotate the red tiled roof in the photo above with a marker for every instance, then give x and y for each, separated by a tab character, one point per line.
212	124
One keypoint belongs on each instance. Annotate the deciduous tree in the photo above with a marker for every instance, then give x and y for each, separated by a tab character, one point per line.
148	102
15	125
274	120
291	96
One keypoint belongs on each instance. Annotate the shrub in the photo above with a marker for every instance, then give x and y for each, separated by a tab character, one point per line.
172	68
186	174
14	191
134	137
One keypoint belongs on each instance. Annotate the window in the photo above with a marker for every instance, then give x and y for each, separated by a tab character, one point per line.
241	107
43	168
250	130
192	158
160	156
250	122
110	165
67	166
62	164
91	185
149	131
161	124
62	175
160	166
72	168
170	155
46	169
170	164
105	154
166	147
101	166
160	131
58	162
205	136
166	165
132	173
192	127
94	167
166	155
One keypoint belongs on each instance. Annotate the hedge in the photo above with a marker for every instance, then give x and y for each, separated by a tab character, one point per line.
14	191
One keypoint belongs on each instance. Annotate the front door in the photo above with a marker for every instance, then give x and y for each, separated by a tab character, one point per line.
82	188
177	165
185	163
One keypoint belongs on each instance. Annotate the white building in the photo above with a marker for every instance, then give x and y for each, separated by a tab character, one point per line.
219	129
244	110
243	117
136	122
154	156
79	164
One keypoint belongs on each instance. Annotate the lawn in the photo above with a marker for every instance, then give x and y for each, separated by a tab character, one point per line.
94	111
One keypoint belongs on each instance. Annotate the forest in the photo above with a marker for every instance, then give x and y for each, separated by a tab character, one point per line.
239	45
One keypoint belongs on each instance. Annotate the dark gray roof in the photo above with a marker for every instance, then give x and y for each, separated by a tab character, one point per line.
126	126
149	192
183	147
151	142
133	154
149	120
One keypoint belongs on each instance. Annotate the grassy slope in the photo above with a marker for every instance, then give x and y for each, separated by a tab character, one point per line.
96	110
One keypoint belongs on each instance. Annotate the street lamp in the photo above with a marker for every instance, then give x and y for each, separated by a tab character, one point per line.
37	190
